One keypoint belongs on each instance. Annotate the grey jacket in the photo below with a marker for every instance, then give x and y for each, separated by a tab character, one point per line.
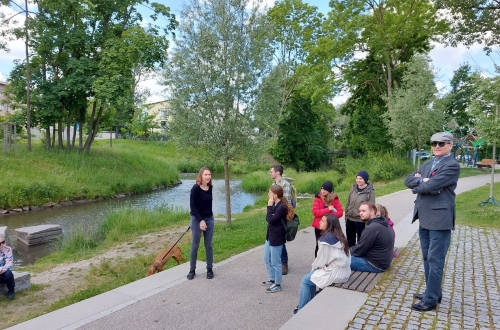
355	199
435	203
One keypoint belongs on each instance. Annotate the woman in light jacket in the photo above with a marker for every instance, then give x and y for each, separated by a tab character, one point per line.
326	202
333	263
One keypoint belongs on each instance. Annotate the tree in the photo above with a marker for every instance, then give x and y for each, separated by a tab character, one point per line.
219	58
413	117
485	109
473	21
142	123
302	137
457	101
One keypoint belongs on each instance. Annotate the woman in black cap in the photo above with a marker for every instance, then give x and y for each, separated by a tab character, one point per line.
326	202
361	191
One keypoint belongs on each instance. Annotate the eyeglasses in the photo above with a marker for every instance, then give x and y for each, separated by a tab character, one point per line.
441	144
2	242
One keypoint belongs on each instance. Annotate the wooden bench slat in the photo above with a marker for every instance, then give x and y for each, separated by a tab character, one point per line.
359	280
363	285
351	279
374	282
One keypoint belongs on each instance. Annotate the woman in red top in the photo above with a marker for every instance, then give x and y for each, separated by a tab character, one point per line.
326	202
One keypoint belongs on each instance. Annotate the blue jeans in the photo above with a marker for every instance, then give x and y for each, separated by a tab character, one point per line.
307	290
284	256
208	235
8	278
434	244
272	256
358	263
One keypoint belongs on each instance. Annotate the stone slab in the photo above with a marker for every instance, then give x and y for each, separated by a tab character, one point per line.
313	316
22	280
38	234
3	232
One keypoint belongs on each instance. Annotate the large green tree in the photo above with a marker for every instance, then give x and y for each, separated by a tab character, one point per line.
473	21
413	116
220	55
375	39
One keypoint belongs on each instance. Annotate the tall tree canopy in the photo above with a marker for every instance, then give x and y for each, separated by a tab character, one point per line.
220	56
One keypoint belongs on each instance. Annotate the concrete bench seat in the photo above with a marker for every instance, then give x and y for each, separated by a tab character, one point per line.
361	281
485	163
22	280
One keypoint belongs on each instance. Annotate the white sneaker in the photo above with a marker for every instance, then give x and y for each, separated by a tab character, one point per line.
274	288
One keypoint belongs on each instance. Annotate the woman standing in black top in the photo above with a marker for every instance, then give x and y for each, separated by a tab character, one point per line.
202	221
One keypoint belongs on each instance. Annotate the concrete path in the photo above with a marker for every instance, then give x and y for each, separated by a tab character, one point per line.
234	299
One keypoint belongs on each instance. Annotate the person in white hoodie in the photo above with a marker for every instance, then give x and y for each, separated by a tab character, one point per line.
333	263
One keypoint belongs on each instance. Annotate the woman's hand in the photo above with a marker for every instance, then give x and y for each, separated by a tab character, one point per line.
203	225
270	202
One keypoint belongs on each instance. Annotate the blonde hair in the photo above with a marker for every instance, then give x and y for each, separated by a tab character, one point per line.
328	199
382	210
278	190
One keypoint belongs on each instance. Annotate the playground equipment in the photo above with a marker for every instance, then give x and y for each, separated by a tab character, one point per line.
466	150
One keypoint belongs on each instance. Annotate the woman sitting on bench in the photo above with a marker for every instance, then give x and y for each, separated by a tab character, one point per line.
332	265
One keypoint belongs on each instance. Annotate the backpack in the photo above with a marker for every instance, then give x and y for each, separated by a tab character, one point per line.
291	227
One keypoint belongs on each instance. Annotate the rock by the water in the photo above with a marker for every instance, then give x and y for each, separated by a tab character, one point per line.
38	234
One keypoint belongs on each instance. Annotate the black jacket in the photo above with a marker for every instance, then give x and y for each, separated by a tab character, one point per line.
275	229
376	244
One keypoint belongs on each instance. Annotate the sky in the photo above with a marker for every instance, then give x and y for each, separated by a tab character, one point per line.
445	59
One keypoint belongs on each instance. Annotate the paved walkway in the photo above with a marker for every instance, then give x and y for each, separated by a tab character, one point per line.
234	299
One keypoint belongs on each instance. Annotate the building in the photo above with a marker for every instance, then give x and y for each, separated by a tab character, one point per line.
161	109
4	108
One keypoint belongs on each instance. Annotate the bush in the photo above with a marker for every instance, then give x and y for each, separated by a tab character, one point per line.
257	181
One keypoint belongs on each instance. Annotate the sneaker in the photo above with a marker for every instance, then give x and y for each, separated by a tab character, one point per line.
296	310
191	274
11	295
268	283
274	288
210	273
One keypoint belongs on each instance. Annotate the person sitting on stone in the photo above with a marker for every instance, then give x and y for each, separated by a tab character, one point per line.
6	275
373	253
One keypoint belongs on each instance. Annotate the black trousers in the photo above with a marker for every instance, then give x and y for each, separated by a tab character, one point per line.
353	230
8	278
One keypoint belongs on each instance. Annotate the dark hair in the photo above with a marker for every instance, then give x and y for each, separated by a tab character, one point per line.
383	210
371	206
278	168
200	174
278	190
333	227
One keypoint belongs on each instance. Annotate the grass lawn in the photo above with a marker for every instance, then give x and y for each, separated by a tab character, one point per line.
469	213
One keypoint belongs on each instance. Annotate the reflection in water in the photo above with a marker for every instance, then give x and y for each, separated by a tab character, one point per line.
89	215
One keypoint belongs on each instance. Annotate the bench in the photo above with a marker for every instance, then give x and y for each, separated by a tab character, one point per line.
485	163
361	281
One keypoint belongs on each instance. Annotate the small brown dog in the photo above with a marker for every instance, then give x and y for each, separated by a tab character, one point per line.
163	257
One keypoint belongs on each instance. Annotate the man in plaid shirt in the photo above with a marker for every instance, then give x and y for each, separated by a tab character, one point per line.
276	175
6	275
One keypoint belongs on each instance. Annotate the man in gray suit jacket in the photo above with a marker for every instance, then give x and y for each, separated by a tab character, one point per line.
434	183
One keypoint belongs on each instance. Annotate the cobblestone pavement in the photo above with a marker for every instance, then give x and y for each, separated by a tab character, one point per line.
471	289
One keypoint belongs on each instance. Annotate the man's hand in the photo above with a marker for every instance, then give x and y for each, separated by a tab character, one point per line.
418	175
425	179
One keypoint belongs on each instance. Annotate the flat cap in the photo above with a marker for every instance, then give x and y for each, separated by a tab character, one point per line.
442	136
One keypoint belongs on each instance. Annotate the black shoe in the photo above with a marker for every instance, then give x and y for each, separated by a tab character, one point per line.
420	296
423	307
296	310
191	274
210	273
11	295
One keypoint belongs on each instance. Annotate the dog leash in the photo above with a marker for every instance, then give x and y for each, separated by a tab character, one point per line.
189	227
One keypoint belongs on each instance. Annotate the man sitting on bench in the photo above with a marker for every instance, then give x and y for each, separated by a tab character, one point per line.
373	253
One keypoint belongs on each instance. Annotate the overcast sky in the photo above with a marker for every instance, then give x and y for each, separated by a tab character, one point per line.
445	59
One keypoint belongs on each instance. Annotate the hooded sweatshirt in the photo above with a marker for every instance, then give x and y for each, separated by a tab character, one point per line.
331	265
376	244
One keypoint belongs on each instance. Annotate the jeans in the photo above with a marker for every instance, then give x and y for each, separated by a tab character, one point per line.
208	235
8	278
434	244
317	233
284	256
353	230
272	258
358	263
307	290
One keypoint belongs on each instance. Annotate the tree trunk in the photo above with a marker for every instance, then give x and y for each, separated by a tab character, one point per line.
91	137
68	131
60	132
493	158
80	135
28	105
47	138
228	192
53	135
74	136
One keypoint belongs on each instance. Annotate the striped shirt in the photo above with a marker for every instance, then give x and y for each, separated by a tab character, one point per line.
286	188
